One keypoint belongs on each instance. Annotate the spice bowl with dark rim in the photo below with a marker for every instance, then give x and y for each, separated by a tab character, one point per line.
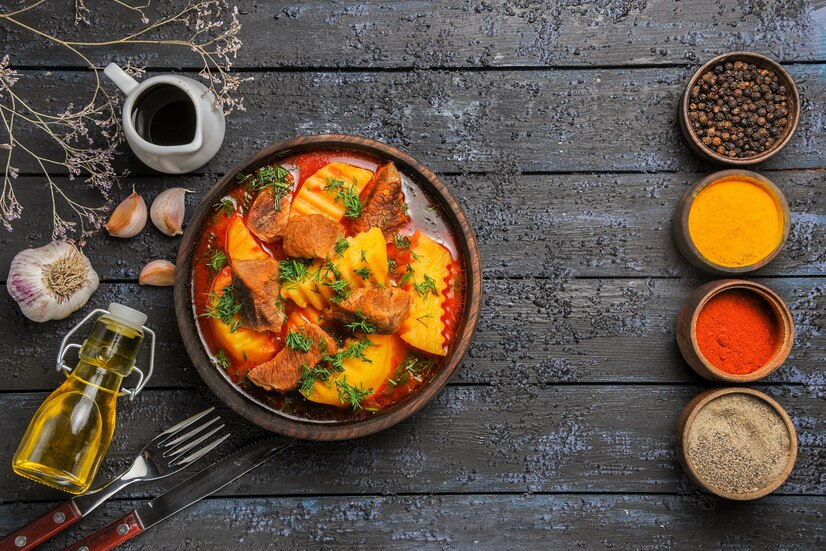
736	442
689	344
688	246
767	113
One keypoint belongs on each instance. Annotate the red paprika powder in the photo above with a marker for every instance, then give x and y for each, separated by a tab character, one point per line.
738	332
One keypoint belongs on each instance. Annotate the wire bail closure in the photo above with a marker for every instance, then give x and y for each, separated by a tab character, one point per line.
65	345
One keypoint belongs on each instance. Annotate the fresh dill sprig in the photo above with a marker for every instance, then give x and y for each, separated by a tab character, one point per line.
354	350
363	273
406	277
221	305
221	360
341	289
216	259
423	317
401	242
310	375
299	341
427	285
349	394
347	195
225	205
413	367
293	270
362	325
341	245
275	177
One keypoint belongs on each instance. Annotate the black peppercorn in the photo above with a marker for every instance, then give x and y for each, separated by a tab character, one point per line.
738	109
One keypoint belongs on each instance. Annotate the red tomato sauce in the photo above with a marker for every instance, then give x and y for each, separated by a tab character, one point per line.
414	369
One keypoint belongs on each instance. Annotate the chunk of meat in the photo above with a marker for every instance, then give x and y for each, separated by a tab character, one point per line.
384	205
285	370
311	236
266	219
257	287
384	308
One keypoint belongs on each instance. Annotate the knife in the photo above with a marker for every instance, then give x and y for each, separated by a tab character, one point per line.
190	491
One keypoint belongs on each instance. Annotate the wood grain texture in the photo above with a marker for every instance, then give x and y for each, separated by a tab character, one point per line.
470	439
536	225
545	120
468	33
555	330
465	522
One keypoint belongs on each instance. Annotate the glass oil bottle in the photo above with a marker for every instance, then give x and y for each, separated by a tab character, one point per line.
71	431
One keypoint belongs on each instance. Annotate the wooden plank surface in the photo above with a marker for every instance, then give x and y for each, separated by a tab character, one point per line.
494	33
502	122
556	330
441	522
536	225
470	439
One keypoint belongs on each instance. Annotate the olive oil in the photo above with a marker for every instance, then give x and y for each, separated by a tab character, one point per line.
71	431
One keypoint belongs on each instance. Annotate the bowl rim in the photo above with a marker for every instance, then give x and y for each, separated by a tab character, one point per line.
758	59
686	420
777	305
686	244
307	429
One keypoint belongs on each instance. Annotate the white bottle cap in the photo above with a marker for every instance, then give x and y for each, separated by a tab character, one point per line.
127	316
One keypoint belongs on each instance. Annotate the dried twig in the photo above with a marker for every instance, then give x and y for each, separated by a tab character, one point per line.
88	136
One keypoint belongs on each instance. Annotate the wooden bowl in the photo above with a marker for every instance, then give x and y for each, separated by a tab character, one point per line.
686	419
687	329
703	151
682	237
268	417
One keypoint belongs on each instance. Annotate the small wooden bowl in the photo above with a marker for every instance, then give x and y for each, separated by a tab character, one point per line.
682	237
271	418
687	329
686	419
699	148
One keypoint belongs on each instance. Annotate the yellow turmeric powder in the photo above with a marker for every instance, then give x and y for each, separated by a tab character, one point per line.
735	222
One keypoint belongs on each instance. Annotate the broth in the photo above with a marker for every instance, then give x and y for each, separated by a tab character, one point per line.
411	367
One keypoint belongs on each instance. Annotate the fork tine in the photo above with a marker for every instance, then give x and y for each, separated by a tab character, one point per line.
187	422
200	453
186	447
186	436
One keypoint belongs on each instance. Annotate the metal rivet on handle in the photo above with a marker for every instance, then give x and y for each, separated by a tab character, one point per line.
20	541
122	529
59	517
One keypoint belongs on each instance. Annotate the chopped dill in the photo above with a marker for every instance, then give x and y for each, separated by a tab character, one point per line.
406	277
428	285
341	290
354	350
426	316
363	273
362	325
341	245
221	360
216	259
311	375
413	367
225	205
299	341
349	394
293	270
401	242
222	306
347	195
276	177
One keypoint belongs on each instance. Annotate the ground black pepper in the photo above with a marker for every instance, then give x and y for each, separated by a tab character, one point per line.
738	109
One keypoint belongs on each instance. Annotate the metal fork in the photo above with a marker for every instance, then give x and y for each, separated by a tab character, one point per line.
169	452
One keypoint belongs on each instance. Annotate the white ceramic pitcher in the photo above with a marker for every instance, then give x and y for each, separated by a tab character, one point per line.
172	159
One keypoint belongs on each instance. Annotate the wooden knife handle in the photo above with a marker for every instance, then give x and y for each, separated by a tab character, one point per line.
109	537
38	531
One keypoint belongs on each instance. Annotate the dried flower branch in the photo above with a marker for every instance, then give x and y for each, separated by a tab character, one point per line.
88	136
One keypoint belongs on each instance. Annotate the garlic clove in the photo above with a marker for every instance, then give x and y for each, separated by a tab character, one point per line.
158	272
167	210
128	218
51	282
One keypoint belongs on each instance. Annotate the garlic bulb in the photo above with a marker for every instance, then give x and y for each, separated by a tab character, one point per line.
51	282
128	218
158	272
167	210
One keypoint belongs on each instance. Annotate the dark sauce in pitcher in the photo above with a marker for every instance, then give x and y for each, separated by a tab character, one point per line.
165	115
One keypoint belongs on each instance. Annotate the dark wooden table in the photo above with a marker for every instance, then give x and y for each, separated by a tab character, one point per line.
554	124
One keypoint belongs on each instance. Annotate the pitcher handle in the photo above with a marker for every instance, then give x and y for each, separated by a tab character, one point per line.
120	78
